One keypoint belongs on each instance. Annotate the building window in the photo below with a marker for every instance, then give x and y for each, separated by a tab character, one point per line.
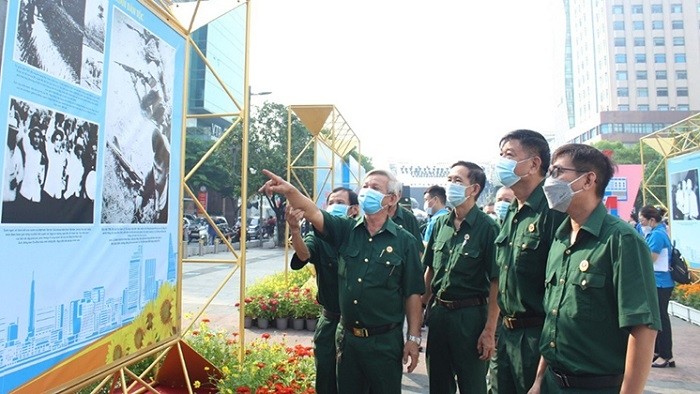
641	75
623	92
679	57
683	107
620	58
661	74
659	41
619	41
639	41
637	9
623	107
640	58
619	25
660	58
642	92
657	8
678	41
662	107
621	75
676	25
682	92
681	74
618	9
657	25
638	25
676	8
662	92
643	107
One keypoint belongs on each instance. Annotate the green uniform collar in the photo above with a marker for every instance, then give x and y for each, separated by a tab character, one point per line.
389	225
593	225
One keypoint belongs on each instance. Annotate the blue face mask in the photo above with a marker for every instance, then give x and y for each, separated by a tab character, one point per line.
505	171
501	208
455	194
340	210
370	200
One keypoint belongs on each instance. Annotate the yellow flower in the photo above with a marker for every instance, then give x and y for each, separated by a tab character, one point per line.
197	384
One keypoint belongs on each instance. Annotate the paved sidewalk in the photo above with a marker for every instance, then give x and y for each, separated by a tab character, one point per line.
199	280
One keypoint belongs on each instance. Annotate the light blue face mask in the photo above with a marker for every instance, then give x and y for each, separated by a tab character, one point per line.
455	194
340	210
370	200
505	171
501	208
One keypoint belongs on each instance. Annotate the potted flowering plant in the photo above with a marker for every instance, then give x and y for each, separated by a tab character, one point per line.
251	311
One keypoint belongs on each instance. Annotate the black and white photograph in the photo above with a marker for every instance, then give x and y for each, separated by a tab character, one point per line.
64	38
137	159
49	166
684	195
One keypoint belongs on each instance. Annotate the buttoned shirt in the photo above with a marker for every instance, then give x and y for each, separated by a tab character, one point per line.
407	221
522	247
462	259
595	291
325	260
376	273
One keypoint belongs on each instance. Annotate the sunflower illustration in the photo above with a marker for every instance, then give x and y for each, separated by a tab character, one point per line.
165	310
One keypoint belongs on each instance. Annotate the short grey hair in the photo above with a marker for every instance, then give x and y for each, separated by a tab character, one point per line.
394	186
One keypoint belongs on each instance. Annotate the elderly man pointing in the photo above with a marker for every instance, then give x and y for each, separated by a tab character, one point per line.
380	284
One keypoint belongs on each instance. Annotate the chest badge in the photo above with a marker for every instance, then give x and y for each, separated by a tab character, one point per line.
389	249
531	227
583	266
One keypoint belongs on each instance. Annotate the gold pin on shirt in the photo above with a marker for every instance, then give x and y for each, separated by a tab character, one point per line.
531	227
389	249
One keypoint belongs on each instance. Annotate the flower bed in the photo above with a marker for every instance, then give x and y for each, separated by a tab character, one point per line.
688	295
269	366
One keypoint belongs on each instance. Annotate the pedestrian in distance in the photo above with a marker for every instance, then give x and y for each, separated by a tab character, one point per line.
602	312
380	285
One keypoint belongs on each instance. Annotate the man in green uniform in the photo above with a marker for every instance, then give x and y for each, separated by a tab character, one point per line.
380	285
462	274
522	246
405	219
600	293
311	249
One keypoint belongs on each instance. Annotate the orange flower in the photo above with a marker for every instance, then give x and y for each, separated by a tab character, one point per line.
265	336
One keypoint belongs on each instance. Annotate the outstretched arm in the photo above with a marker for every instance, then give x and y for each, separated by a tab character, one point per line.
293	216
277	184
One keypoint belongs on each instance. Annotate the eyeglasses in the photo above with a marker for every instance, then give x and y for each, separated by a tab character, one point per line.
555	171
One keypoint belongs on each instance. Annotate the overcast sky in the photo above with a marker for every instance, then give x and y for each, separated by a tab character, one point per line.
416	81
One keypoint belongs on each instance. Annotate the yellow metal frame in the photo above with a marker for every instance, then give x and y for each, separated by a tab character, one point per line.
675	140
119	373
328	127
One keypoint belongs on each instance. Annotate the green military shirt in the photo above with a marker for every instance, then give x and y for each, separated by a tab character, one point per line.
463	260
376	272
521	253
407	221
596	290
325	259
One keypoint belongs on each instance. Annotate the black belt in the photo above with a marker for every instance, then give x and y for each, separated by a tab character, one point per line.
459	304
364	332
330	315
513	323
586	382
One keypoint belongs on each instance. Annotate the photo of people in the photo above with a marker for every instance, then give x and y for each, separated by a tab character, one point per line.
684	195
49	169
137	165
63	38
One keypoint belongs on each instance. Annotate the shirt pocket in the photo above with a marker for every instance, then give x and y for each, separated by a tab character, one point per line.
441	255
387	271
345	257
469	260
589	296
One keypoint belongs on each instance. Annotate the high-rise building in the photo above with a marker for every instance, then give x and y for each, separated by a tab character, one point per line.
631	67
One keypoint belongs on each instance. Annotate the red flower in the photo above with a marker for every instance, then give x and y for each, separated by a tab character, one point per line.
261	365
243	390
265	336
206	320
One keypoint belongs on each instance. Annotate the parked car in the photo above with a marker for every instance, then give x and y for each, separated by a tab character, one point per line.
223	226
198	230
254	229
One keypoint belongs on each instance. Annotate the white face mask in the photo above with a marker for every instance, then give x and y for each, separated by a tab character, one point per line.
559	193
646	230
427	208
